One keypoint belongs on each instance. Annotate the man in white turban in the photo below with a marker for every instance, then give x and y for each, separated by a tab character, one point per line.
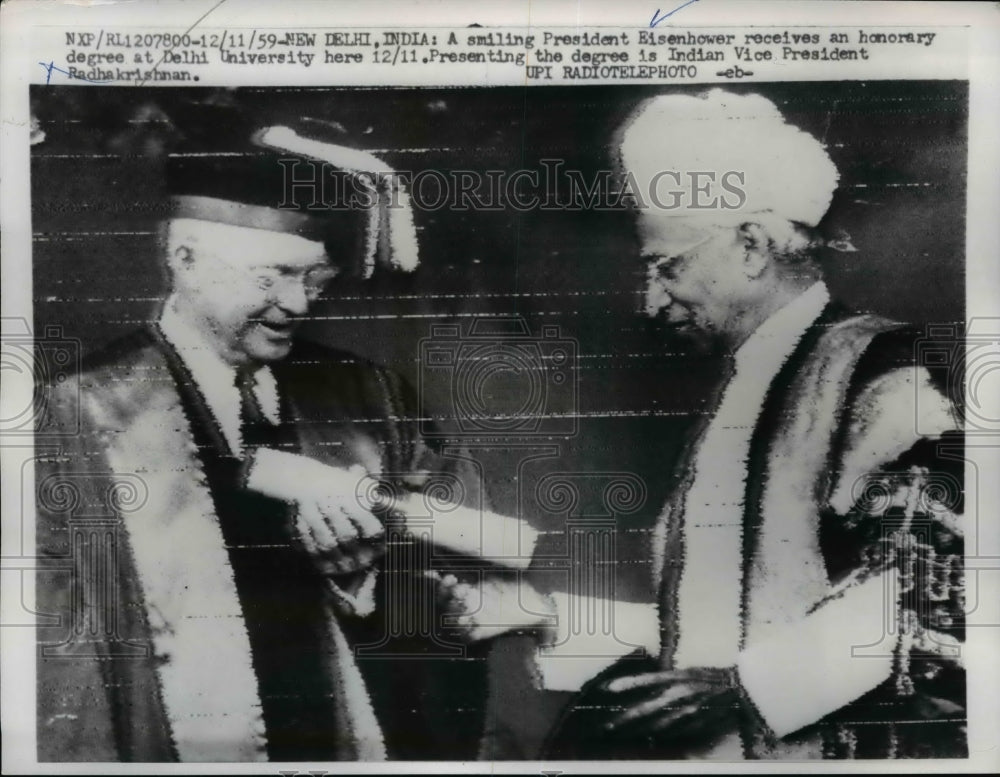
808	563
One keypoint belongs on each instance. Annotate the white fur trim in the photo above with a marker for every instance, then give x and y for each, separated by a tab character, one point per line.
207	677
788	574
890	415
372	227
361	720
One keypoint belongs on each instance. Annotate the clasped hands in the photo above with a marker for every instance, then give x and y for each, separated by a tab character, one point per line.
334	508
338	527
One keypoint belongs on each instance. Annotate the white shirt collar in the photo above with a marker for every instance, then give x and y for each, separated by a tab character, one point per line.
215	378
783	329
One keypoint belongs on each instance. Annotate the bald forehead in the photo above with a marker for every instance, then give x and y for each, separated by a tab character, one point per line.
245	246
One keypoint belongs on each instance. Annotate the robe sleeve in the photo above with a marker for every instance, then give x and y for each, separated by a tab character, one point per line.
894	525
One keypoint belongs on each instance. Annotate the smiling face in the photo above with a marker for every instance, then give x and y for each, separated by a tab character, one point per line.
245	289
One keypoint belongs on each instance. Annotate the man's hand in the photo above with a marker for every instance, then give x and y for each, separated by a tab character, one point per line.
635	709
699	705
334	519
335	528
493	606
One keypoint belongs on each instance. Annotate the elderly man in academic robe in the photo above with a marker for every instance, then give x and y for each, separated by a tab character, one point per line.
807	571
210	528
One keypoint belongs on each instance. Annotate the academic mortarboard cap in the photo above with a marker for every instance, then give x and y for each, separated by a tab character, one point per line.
260	179
245	186
217	173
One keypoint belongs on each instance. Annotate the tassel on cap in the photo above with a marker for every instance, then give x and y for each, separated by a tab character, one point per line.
390	234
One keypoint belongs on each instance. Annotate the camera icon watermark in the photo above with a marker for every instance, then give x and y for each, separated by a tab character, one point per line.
970	366
47	362
499	380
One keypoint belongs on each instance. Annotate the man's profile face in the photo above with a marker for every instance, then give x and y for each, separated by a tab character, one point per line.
694	271
247	289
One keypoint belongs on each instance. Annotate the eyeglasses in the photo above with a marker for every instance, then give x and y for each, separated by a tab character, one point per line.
276	280
664	264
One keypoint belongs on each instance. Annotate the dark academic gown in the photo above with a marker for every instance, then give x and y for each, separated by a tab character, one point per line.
135	438
812	446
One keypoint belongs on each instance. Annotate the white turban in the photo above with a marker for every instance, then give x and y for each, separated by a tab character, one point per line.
787	172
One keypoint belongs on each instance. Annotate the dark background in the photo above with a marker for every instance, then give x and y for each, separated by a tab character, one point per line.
900	147
97	193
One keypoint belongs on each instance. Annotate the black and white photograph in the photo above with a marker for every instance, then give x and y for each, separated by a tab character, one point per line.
566	423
